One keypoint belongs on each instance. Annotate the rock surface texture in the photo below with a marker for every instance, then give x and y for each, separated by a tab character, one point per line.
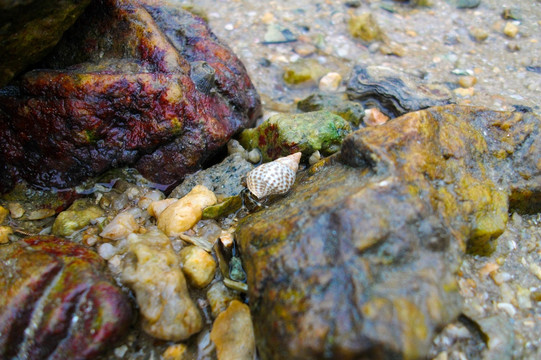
30	29
56	303
359	260
140	83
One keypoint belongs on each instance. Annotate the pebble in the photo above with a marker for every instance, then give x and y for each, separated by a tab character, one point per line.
510	29
226	238
330	82
508	308
16	210
374	117
107	251
120	227
5	231
233	334
464	92
535	269
198	265
277	34
40	214
175	352
268	18
478	34
254	156
219	296
121	351
3	213
467	81
305	49
314	158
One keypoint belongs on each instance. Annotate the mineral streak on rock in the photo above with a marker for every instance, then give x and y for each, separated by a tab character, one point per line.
56	303
358	261
135	82
394	92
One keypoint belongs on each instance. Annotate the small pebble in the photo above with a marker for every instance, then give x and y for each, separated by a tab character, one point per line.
488	269
198	265
535	269
314	158
16	210
467	81
268	18
305	49
330	82
226	238
500	277
3	213
5	231
374	117
106	251
508	308
464	92
40	214
175	352
513	47
478	34
510	29
121	351
254	156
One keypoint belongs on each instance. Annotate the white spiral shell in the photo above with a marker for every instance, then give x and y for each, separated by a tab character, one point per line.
275	177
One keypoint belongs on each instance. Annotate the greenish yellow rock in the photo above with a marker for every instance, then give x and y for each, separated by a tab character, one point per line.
365	28
76	217
226	207
338	104
285	134
303	71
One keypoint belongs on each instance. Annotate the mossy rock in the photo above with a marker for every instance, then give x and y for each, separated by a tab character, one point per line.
285	134
76	217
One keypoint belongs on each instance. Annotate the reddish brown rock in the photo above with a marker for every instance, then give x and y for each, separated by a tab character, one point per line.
136	83
56	303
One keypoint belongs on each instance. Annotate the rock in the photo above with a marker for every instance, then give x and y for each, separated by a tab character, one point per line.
5	232
330	82
198	265
338	104
30	28
512	14
284	134
374	117
224	179
226	207
76	217
303	72
277	34
462	92
510	29
499	335
3	213
56	301
365	28
138	82
219	297
175	352
478	34
233	333
467	4
151	269
369	240
186	212
120	227
467	81
394	92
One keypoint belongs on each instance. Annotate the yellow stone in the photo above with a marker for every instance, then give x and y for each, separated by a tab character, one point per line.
175	352
233	333
5	231
510	30
198	265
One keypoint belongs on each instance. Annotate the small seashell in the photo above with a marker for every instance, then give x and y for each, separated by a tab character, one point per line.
275	177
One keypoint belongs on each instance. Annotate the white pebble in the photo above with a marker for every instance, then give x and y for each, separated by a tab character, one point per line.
107	251
229	27
508	308
330	82
121	351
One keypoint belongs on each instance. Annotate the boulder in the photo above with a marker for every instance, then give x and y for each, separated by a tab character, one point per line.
359	260
30	28
56	302
140	83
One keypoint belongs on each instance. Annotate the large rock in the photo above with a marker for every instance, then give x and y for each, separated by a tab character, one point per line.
30	28
56	303
358	261
133	82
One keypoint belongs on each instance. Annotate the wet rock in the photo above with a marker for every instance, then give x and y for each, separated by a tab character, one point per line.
120	227
151	269
56	301
338	104
233	333
219	297
198	265
76	217
303	72
330	82
467	4
226	207
359	260
30	29
5	232
185	212
365	28
467	81
394	92
224	179
140	83
285	134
